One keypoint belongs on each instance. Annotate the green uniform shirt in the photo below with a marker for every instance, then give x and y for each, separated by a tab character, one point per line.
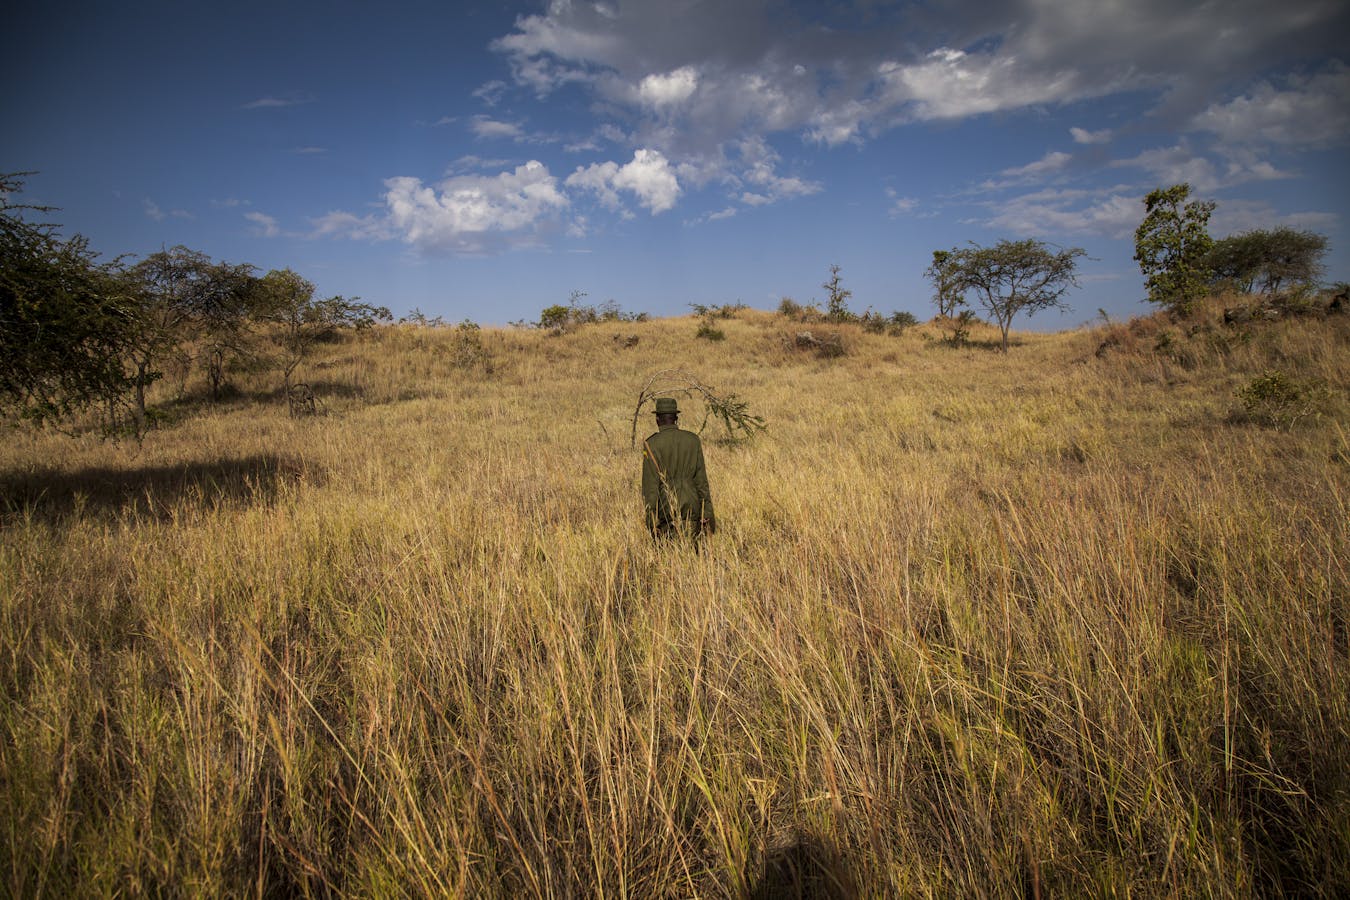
674	480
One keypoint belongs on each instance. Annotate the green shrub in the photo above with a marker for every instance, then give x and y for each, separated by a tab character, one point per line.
872	322
957	327
708	331
555	317
800	312
720	311
1278	400
901	320
894	324
561	319
466	349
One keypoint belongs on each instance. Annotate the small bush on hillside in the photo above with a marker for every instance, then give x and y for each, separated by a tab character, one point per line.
1278	400
610	311
957	327
872	322
560	319
466	348
799	312
708	331
827	347
894	324
554	318
419	318
903	319
720	311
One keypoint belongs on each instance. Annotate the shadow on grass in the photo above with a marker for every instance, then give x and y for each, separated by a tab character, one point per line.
807	868
993	345
53	495
231	395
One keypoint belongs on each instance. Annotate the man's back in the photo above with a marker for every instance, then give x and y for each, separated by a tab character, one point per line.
675	481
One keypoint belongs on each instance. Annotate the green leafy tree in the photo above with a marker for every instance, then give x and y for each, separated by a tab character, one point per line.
837	309
1015	277
65	322
186	303
225	322
1269	259
1172	244
286	300
946	290
1234	262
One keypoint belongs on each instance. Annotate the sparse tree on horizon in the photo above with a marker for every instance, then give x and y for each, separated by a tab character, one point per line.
1014	277
1272	258
837	310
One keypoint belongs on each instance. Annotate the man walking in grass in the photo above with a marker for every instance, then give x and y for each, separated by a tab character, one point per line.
674	481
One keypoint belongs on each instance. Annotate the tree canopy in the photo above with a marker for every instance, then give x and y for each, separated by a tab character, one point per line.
286	300
1267	259
1171	246
946	291
76	333
66	324
1009	278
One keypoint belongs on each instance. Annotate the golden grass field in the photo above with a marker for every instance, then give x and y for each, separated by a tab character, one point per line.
1049	624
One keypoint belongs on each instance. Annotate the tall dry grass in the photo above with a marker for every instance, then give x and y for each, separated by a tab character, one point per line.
1049	624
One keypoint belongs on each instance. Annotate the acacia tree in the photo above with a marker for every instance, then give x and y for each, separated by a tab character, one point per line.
1271	258
224	319
174	291
1171	246
942	272
286	300
1234	262
65	322
1015	277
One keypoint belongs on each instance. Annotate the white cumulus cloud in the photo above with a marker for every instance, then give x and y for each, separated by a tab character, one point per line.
649	177
953	84
463	212
669	89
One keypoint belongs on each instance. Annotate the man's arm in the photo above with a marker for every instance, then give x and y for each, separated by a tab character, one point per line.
704	492
651	485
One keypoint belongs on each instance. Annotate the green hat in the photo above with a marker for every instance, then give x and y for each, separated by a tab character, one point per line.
667	405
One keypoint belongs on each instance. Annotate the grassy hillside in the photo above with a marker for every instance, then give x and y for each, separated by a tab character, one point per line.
1071	621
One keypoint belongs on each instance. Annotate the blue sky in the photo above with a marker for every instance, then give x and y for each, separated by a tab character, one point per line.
484	160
